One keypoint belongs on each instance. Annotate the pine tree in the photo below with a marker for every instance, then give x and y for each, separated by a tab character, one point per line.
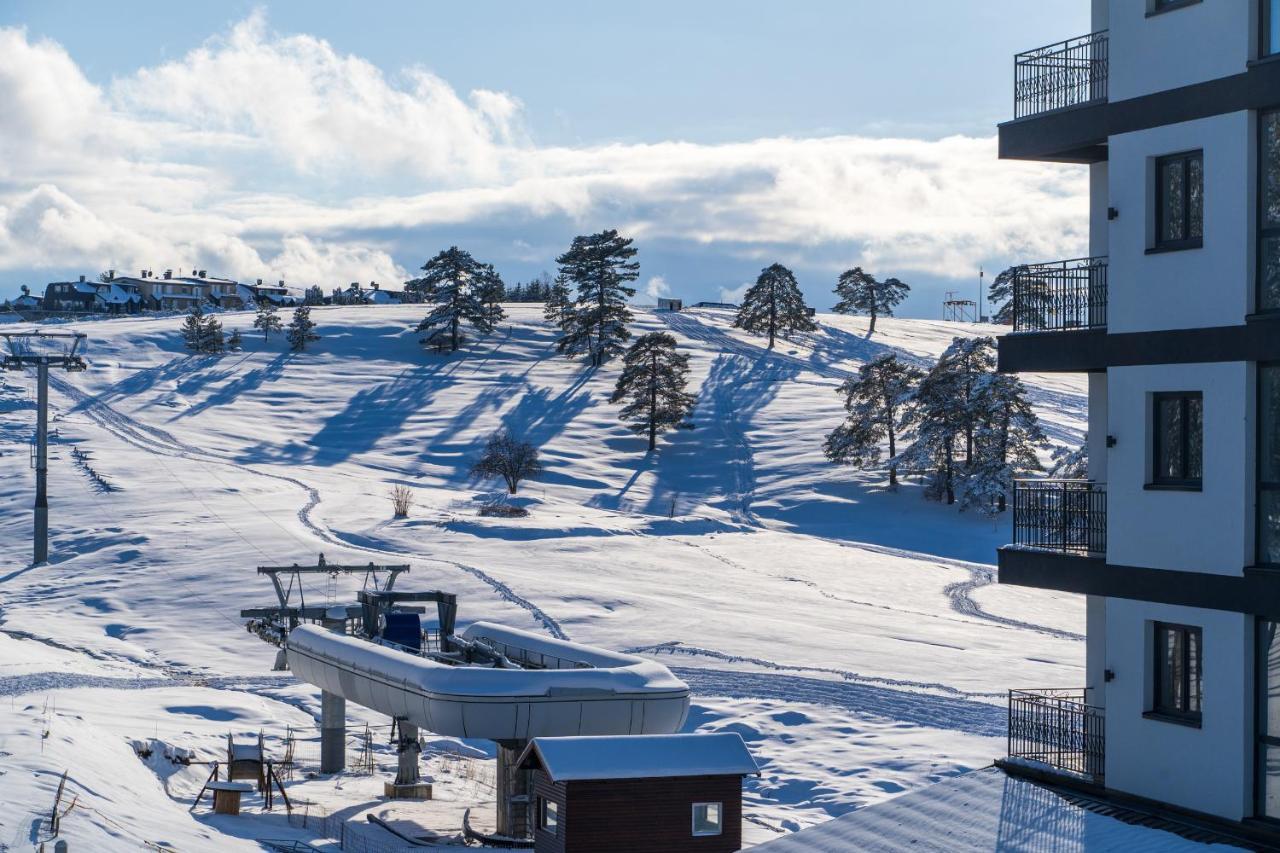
234	342
193	329
774	305
878	401
948	414
557	307
861	293
653	383
1001	291
313	296
211	339
301	328
456	284
268	320
600	265
594	319
493	292
1070	464
1006	442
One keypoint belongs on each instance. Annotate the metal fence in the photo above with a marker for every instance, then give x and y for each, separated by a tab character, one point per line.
351	836
1060	296
1057	728
1060	515
1065	74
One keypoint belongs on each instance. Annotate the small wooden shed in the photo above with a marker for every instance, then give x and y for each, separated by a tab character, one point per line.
639	793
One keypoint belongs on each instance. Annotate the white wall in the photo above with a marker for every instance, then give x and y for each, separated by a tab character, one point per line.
1208	769
1179	47
1099	201
1209	286
1205	531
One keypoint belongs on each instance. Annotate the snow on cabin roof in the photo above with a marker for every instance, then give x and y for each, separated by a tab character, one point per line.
568	759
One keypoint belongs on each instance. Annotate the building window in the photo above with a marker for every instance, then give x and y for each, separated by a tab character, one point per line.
548	815
1180	201
1267	690
707	819
1269	465
1178	652
1157	6
1177	439
1269	210
1270	27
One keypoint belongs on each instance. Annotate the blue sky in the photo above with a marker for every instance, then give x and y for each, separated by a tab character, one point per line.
326	142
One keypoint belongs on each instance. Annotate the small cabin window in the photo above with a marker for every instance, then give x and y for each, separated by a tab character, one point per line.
549	816
707	819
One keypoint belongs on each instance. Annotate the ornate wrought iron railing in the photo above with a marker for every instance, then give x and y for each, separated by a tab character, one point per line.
1060	296
1057	728
1065	74
1060	515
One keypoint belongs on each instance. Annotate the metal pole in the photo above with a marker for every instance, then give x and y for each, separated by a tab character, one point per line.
42	463
333	718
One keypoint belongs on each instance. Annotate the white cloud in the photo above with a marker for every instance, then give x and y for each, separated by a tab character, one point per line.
735	295
263	154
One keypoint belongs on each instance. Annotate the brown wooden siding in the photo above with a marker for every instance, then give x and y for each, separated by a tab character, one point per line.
640	815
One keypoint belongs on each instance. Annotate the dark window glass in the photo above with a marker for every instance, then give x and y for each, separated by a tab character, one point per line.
1180	201
1178	671
1269	465
1178	439
1270	27
1269	211
1267	687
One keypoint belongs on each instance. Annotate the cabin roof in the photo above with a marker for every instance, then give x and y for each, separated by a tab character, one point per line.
568	759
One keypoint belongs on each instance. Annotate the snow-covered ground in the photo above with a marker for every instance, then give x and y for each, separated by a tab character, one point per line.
852	635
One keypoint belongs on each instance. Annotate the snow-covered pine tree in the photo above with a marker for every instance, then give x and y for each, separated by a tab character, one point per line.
1006	443
600	265
946	417
774	305
211	339
455	283
557	307
193	329
877	400
653	383
301	329
493	292
268	319
235	342
1070	464
313	296
1001	292
861	293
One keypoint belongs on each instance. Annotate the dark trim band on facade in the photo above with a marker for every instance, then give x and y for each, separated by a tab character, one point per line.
1256	591
1079	134
1091	350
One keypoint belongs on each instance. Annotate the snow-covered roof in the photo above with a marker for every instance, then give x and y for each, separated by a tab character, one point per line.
982	810
568	759
117	295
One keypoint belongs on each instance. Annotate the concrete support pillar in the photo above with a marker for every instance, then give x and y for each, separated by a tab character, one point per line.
333	717
407	749
515	791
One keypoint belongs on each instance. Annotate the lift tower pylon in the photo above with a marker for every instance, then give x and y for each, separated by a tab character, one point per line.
20	356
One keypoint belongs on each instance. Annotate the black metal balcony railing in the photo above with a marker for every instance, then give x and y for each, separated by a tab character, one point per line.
1060	296
1060	515
1066	74
1057	728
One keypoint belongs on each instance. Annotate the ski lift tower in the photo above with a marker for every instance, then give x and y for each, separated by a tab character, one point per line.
959	310
20	355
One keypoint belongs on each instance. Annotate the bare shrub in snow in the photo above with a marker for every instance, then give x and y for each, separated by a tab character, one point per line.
401	500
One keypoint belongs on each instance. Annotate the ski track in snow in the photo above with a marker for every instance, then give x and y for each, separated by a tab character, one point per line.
922	709
145	437
675	647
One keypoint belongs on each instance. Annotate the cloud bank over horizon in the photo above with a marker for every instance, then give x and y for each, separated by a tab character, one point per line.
268	155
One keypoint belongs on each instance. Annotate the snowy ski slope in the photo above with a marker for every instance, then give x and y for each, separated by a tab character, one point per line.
853	636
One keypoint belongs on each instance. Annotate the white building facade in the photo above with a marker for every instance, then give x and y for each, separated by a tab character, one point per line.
1174	105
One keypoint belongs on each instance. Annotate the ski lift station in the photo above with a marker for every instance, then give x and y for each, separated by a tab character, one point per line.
491	682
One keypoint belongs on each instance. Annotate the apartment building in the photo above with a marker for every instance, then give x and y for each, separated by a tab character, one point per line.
1174	105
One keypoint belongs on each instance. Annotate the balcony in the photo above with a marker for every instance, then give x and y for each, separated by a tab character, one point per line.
1064	516
1065	74
1058	730
1060	102
1060	296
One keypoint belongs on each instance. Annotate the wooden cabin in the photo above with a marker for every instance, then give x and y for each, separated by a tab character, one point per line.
639	793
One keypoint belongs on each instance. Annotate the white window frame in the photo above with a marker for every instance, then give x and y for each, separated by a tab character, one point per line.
549	806
693	819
